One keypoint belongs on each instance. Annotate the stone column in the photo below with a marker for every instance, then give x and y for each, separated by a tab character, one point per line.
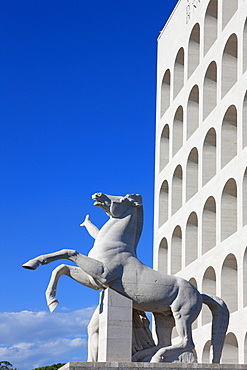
115	327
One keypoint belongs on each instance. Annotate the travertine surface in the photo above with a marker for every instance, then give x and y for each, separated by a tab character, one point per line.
115	327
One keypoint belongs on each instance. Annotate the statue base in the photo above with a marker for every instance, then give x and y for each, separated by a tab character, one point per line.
148	366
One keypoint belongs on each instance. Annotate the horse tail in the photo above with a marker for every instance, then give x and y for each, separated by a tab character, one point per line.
220	322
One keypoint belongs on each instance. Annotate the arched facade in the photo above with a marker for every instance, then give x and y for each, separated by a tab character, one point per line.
206	166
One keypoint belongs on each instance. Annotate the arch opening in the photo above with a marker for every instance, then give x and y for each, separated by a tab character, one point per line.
229	281
177	140
229	136
178	73
206	352
245	47
191	240
244	127
194	283
210	25
210	89
245	280
208	287
194	49
230	350
229	7
165	93
176	250
163	203
244	204
229	209
192	174
177	184
209	225
162	256
209	157
164	147
229	65
193	111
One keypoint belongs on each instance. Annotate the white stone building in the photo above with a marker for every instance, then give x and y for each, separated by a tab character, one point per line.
200	230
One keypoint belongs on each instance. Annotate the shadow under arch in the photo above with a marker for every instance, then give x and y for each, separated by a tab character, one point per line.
229	282
230	350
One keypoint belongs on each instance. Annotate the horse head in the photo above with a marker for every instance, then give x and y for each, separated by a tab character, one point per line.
116	206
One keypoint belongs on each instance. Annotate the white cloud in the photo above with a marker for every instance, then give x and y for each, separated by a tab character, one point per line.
31	339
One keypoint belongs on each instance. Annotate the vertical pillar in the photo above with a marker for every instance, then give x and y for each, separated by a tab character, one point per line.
115	327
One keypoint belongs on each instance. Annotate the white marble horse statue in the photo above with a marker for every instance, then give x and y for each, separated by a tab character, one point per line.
112	262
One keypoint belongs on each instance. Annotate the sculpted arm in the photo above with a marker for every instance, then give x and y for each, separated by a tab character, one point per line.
91	228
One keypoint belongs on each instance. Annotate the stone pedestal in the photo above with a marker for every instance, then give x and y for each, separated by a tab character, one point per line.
115	327
148	366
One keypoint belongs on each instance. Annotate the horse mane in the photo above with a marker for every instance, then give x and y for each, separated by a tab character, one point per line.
139	226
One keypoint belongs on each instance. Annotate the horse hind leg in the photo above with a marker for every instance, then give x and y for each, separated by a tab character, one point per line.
163	328
51	290
164	323
93	337
75	273
183	326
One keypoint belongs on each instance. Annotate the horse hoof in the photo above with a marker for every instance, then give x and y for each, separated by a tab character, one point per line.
31	264
53	305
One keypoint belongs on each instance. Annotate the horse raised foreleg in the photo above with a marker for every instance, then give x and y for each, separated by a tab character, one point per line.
34	263
91	228
73	272
92	267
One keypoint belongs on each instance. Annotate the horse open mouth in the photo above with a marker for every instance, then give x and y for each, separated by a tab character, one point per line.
102	201
97	202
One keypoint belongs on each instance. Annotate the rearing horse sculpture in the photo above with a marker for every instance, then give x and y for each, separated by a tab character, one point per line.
112	262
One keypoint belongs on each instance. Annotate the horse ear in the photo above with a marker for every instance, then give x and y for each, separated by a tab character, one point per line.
134	199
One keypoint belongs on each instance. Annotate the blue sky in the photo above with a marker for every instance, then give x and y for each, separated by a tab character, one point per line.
77	90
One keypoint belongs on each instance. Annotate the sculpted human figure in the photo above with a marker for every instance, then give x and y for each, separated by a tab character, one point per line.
112	262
